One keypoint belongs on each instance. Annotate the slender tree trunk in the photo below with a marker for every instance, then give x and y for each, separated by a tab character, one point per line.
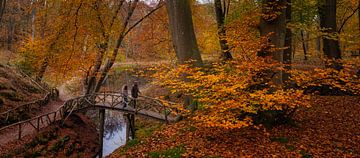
318	45
2	9
304	44
44	21
11	31
97	76
111	61
91	83
275	28
182	31
294	48
287	58
331	47
221	10
33	14
43	68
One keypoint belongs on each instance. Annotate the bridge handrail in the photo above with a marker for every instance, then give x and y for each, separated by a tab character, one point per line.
41	102
62	110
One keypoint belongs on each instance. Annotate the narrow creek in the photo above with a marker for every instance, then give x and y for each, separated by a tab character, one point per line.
115	122
115	131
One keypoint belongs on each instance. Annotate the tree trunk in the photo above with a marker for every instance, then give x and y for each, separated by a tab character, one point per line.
304	44
221	11
2	9
327	11
275	29
33	14
288	42
182	31
91	82
111	61
318	45
44	21
43	68
11	32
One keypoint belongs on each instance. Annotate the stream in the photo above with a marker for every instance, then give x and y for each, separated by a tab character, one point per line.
115	131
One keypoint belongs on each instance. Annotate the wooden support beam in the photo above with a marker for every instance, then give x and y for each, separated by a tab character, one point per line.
101	127
19	137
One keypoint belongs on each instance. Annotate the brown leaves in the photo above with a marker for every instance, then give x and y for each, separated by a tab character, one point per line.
335	133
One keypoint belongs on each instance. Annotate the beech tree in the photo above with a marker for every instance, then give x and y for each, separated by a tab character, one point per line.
221	10
273	27
182	31
327	11
288	40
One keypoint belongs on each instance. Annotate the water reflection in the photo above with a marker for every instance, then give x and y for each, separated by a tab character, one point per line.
114	132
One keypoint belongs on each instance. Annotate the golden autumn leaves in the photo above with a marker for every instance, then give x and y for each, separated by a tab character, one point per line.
230	94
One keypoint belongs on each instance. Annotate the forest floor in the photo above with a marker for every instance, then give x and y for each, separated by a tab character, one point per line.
76	138
9	135
330	128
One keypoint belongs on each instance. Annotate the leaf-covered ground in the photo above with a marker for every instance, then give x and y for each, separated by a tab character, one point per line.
76	138
331	128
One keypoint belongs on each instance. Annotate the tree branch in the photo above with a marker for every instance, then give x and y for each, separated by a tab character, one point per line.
143	18
344	22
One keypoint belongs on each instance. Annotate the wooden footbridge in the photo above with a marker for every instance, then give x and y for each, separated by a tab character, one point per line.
142	106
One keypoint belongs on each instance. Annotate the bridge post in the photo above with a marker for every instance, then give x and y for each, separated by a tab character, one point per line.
101	127
127	133
131	121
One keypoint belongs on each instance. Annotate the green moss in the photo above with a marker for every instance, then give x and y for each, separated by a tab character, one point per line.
42	139
290	147
60	144
9	94
147	131
172	152
305	154
3	86
283	140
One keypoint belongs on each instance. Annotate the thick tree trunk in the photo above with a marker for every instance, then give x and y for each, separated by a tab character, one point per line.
182	31
221	11
275	29
331	48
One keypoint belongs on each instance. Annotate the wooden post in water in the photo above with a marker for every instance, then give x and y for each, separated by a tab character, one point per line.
131	123
101	127
134	94
127	128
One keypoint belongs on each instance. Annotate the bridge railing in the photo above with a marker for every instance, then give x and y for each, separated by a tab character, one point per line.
14	115
38	122
33	124
99	99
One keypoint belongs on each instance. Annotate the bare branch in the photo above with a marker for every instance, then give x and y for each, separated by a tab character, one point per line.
143	18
